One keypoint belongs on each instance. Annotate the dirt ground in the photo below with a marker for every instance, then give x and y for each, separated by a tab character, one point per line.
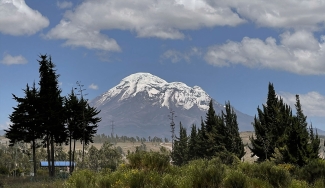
129	146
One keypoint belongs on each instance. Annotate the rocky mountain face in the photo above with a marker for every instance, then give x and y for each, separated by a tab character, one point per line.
140	105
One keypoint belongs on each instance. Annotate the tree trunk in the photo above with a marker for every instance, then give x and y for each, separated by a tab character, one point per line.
52	156
34	158
70	160
48	155
74	150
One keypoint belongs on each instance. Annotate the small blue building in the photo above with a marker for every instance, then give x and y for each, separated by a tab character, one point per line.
58	164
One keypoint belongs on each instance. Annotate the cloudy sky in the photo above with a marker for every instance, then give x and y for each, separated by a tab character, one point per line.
232	49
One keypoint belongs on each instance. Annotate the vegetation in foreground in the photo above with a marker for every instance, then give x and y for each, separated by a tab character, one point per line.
286	147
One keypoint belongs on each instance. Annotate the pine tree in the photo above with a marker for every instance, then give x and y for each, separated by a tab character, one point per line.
74	121
52	110
25	121
270	126
215	133
233	141
193	147
201	141
180	149
300	145
314	143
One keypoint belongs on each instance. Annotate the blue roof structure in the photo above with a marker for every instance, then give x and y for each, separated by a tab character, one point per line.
58	163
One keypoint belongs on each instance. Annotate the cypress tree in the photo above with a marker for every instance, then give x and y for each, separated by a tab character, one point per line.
215	132
201	141
52	110
180	149
233	141
270	126
314	143
193	144
74	121
300	145
25	121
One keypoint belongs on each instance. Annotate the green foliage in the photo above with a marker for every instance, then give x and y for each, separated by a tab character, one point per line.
4	170
233	141
236	179
312	171
267	171
180	152
282	137
148	161
168	181
204	173
82	179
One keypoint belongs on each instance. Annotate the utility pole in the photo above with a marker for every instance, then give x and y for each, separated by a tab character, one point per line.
80	90
172	125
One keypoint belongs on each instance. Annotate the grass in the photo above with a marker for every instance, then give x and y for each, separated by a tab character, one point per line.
28	182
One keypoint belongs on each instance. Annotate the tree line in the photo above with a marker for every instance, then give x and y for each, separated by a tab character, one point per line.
279	135
44	115
217	135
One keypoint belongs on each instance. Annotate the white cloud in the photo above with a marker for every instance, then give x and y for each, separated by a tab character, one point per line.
13	60
93	86
16	18
289	14
176	56
297	52
147	18
86	37
64	4
312	103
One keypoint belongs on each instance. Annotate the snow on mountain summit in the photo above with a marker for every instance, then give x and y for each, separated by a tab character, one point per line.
159	91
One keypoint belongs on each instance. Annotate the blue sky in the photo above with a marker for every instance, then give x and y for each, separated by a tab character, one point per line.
232	49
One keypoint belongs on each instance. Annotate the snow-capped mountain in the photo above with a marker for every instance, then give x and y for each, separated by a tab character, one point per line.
140	104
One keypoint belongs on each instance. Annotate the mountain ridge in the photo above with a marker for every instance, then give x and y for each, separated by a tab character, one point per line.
141	102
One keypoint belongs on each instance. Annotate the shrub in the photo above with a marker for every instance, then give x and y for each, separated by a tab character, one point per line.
149	161
275	175
204	173
82	179
319	183
236	179
168	181
4	170
298	184
312	171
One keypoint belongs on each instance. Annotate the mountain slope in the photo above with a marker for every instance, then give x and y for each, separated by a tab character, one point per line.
140	104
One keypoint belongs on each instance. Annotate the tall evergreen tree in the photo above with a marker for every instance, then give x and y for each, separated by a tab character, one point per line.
25	121
193	147
74	121
233	142
201	141
180	149
314	143
270	126
300	145
215	132
52	110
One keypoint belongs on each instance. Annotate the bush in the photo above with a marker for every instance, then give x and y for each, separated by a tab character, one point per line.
275	175
4	170
312	171
82	179
298	184
228	158
204	173
149	161
168	182
236	179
